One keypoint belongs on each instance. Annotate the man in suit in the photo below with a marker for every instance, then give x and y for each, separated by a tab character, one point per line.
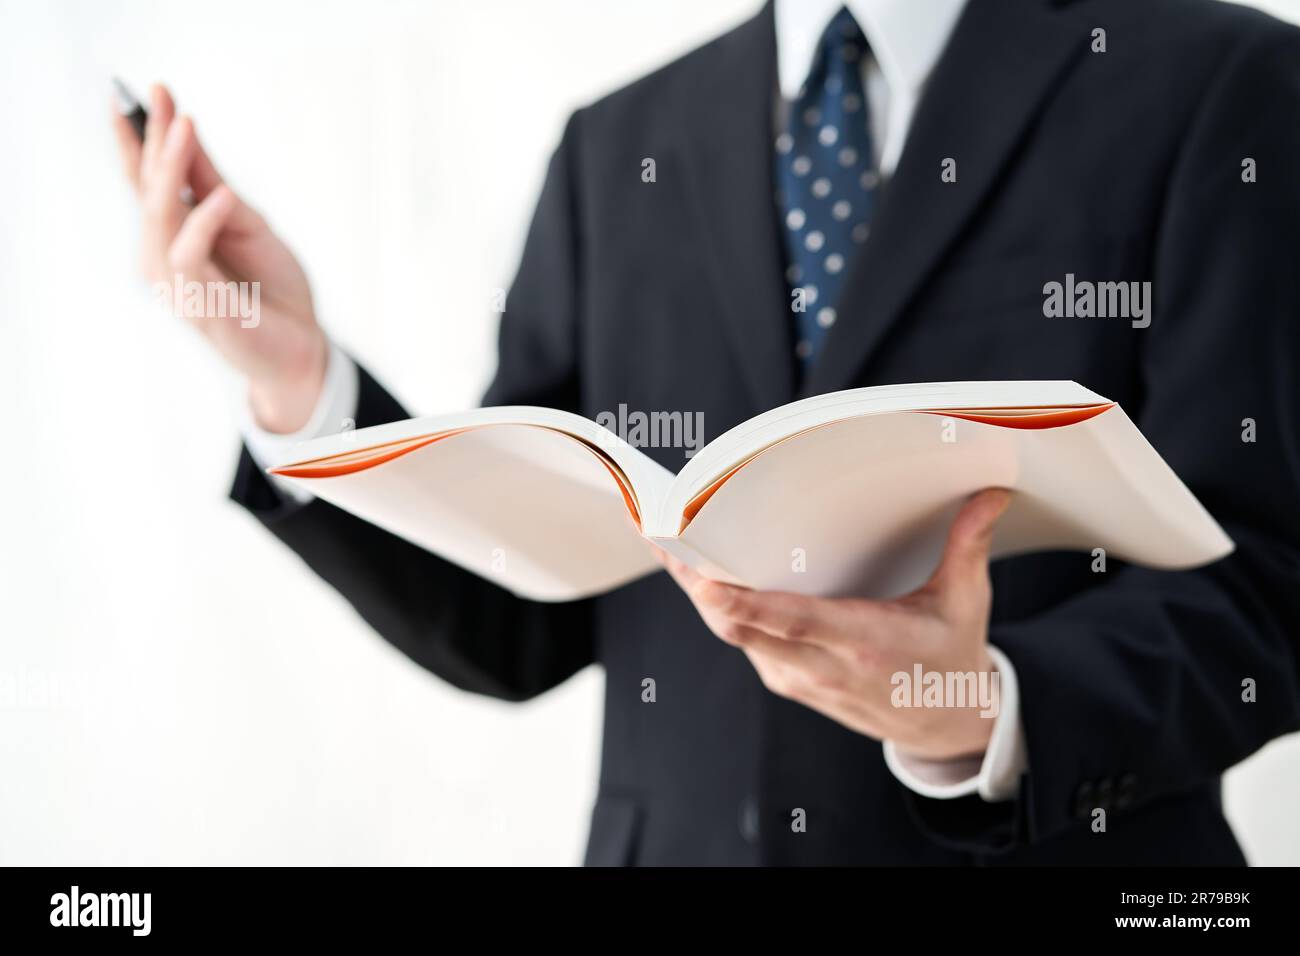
913	175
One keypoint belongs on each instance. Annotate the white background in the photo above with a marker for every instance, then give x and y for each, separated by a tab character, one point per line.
174	686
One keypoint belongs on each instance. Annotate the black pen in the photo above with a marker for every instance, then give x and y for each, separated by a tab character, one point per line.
131	108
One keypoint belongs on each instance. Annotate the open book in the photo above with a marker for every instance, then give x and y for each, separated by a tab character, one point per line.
848	493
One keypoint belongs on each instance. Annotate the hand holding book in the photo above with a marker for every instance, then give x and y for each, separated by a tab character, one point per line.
839	655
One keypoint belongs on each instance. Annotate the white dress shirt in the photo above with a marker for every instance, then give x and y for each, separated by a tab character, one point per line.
335	411
906	38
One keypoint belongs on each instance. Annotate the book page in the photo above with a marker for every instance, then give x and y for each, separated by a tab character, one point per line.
862	506
744	440
526	506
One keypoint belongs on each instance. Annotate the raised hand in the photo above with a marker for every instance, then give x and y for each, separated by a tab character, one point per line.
196	229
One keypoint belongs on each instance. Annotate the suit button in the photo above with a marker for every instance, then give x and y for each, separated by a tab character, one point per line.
1083	801
748	820
1127	791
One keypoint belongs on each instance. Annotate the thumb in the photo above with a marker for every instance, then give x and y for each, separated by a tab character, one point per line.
192	247
966	553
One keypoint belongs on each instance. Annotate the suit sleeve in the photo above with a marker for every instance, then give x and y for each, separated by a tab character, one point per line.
470	632
1157	682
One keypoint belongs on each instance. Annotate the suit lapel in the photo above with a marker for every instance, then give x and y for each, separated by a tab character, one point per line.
1003	58
727	150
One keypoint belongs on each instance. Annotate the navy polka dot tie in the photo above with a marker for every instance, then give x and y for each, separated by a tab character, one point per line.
826	183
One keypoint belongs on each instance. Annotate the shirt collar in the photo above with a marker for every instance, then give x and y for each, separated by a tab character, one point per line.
906	38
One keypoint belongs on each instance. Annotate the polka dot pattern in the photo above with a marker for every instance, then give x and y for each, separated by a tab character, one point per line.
825	182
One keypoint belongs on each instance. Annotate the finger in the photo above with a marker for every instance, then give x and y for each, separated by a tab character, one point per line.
129	146
748	618
163	186
191	250
727	630
966	552
682	573
204	177
737	635
161	111
781	614
798	671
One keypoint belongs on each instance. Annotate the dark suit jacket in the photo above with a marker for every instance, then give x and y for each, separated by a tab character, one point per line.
1123	165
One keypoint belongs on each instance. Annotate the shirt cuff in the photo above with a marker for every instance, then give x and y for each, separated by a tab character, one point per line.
995	775
335	411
